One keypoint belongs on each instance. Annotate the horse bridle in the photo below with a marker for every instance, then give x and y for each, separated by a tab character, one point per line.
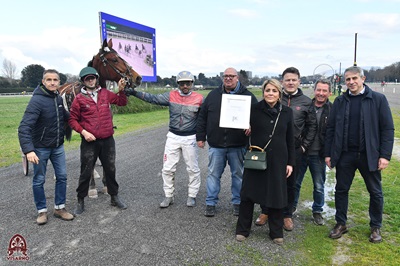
105	61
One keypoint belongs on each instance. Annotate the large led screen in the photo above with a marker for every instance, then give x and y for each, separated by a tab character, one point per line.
134	42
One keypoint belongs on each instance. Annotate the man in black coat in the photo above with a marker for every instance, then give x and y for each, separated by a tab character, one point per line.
359	135
225	144
314	158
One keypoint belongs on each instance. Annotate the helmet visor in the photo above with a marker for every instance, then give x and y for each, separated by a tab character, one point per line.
89	77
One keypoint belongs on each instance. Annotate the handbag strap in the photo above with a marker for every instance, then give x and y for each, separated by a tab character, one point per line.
273	130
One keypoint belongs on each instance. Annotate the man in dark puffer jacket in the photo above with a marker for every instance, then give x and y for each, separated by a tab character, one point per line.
41	136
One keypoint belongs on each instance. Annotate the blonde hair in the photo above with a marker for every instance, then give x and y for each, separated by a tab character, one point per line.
275	83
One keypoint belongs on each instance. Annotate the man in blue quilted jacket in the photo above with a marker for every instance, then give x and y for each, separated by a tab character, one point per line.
41	136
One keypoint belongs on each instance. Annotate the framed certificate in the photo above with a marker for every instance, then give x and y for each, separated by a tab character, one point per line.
235	111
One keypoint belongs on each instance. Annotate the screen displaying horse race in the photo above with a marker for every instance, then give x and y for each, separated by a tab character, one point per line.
134	42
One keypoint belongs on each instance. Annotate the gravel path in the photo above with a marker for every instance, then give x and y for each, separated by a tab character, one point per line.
143	234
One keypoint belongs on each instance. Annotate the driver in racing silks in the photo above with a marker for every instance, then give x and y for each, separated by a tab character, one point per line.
184	105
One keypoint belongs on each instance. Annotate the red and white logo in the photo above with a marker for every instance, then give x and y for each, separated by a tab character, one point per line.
17	249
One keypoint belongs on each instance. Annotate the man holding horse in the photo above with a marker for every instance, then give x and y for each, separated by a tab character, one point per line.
91	116
41	136
184	105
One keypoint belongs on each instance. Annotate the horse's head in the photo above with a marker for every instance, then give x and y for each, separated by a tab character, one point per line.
112	67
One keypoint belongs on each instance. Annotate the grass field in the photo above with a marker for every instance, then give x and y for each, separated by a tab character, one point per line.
315	248
12	110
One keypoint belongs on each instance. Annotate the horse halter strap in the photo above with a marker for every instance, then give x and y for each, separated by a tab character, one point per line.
105	62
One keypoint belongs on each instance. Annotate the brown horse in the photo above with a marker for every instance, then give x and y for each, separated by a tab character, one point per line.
110	66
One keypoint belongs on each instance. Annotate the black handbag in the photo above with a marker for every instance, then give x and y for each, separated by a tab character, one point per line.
257	159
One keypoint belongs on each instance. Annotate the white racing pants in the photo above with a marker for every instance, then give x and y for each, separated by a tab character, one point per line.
174	147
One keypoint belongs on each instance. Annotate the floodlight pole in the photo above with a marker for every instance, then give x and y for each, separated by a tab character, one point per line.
340	79
355	50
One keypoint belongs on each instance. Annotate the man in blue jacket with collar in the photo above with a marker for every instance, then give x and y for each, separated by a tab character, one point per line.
359	135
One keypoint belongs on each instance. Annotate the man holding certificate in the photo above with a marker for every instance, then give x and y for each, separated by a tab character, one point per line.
222	123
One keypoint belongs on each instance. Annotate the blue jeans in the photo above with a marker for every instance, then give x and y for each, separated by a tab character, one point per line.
57	158
217	158
317	168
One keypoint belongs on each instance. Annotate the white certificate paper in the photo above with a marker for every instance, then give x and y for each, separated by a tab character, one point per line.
235	111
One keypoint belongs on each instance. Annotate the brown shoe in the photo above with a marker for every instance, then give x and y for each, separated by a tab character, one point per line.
288	224
278	241
262	219
63	214
240	238
338	231
375	236
42	218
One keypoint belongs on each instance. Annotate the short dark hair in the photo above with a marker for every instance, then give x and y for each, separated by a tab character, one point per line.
323	81
291	70
53	71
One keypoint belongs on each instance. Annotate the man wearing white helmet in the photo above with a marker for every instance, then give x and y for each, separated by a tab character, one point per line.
184	105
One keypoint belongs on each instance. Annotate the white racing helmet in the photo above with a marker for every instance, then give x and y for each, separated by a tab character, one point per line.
184	76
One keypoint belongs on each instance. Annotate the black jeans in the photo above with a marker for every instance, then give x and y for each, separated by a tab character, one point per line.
346	167
275	220
105	150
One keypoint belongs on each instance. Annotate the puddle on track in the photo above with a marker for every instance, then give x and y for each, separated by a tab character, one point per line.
329	195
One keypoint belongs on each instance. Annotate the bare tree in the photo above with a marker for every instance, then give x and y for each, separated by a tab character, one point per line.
9	70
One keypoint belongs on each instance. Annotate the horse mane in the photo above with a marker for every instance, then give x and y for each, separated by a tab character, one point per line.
90	63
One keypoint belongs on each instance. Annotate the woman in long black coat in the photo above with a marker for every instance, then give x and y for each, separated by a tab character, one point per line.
268	187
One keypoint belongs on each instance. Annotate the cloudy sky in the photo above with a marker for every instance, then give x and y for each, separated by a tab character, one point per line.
207	36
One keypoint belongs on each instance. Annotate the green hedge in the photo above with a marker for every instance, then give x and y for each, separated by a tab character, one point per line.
136	105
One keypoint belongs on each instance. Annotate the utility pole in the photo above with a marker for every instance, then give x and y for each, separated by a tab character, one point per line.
340	79
355	51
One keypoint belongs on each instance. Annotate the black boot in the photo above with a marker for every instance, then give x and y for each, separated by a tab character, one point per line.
80	207
115	201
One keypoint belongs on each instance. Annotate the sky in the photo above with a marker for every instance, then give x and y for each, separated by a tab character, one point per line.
208	36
